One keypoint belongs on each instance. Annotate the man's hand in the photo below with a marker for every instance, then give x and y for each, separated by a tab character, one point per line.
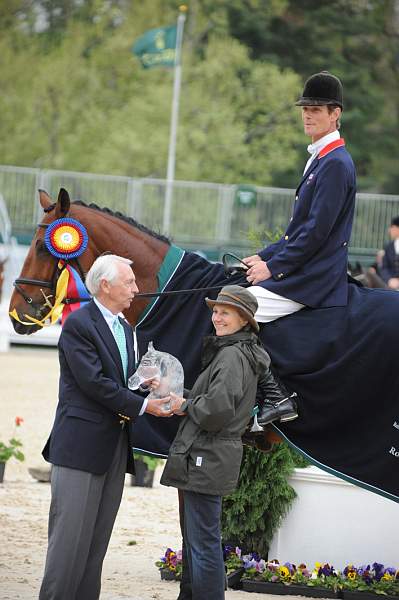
251	260
258	272
152	384
159	407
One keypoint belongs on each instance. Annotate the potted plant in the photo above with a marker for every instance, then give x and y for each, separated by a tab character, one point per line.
11	449
144	466
170	565
233	565
366	581
287	579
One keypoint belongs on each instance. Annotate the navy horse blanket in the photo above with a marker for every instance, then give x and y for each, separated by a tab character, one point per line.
342	362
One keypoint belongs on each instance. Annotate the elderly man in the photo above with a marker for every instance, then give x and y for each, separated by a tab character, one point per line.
90	445
308	265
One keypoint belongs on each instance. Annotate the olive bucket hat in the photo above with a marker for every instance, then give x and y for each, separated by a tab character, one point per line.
321	89
240	298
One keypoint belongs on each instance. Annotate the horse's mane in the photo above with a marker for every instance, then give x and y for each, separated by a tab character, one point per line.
121	216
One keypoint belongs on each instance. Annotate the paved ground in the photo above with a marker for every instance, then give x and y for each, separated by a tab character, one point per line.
149	517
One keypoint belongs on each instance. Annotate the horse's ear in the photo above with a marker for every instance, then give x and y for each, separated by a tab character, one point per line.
45	199
63	204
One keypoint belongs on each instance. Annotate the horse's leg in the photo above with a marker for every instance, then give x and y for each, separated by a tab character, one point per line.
374	280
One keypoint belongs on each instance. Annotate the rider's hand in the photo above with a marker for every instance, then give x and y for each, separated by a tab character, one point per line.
251	260
159	407
258	272
393	283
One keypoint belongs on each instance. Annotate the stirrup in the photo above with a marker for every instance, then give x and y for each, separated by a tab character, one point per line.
233	264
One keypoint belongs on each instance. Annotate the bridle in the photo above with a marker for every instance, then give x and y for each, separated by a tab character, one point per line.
51	284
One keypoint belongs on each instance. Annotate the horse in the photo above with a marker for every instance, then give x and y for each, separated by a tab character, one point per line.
328	356
368	277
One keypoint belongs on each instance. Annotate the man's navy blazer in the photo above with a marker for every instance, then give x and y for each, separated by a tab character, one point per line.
309	263
92	392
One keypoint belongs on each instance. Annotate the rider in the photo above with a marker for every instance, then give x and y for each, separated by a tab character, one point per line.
308	265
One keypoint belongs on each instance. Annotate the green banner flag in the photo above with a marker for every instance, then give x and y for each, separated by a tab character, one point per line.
156	47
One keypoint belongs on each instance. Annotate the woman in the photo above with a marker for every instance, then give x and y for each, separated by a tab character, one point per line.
205	456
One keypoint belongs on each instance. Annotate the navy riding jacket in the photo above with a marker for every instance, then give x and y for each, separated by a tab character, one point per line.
309	263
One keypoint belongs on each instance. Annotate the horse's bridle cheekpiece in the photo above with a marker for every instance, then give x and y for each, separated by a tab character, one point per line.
65	239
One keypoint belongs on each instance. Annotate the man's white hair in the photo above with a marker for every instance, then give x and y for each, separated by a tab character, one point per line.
104	267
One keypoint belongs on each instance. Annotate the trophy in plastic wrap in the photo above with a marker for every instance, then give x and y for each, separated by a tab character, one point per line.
162	366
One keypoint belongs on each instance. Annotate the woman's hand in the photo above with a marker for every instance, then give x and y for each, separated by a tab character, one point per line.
176	403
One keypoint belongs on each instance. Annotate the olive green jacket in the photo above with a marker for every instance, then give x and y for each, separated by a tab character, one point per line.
206	453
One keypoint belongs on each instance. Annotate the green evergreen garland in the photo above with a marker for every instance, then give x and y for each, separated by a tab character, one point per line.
263	497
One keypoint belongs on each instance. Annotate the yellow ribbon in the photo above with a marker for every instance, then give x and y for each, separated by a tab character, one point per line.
56	310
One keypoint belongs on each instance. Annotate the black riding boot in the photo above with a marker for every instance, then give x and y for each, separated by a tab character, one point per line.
277	405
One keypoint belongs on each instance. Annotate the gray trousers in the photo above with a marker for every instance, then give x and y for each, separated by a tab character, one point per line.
82	514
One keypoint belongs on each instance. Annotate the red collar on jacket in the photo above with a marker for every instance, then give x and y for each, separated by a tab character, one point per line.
330	147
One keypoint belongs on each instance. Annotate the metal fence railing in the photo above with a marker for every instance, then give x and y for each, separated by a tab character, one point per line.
205	216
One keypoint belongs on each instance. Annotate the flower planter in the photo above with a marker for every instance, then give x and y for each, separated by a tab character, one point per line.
280	589
2	469
234	579
359	595
168	575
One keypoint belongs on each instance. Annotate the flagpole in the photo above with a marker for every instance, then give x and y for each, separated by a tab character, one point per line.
170	175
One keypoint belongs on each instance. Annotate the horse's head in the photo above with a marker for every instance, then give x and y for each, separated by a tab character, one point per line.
35	288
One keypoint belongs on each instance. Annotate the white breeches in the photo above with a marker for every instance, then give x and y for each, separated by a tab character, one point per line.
271	306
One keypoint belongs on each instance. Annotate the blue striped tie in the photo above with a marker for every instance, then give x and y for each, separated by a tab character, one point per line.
119	334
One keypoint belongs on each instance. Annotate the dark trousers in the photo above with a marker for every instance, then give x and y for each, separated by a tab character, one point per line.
202	541
82	514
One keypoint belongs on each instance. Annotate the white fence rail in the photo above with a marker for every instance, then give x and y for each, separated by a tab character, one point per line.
203	215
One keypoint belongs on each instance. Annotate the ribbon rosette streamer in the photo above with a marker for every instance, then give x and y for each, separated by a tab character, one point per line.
65	239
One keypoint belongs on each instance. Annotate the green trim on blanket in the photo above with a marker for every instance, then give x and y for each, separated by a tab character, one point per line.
331	471
166	271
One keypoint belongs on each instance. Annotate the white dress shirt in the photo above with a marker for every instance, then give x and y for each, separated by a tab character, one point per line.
110	318
316	147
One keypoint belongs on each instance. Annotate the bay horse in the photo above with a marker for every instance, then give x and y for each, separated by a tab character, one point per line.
339	360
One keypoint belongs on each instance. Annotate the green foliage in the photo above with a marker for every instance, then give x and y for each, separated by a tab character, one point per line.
75	98
356	40
73	89
254	511
11	450
151	461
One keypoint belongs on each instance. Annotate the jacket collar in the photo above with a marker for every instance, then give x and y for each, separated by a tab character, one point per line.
213	343
323	152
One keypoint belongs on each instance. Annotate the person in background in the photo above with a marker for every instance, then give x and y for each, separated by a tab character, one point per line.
205	457
90	445
308	265
390	261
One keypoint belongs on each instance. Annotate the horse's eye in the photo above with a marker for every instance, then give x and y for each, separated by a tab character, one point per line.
41	248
